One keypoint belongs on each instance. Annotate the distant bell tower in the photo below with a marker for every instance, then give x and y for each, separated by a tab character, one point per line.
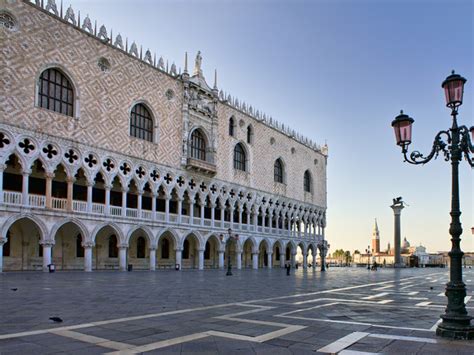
376	239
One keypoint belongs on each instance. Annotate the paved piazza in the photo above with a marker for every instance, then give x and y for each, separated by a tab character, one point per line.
346	311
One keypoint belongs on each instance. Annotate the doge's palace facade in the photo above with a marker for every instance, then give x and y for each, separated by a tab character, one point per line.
110	156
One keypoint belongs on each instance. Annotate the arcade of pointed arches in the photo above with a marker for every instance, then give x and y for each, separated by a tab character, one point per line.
29	244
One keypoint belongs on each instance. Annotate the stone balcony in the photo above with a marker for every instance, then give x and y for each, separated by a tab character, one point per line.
201	166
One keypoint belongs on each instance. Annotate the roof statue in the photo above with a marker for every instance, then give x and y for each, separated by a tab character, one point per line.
197	65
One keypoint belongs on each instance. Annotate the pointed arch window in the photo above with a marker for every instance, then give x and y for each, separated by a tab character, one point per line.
249	134
307	181
231	126
141	246
278	171
207	251
6	246
186	249
198	145
141	123
239	158
79	247
55	92
113	250
165	249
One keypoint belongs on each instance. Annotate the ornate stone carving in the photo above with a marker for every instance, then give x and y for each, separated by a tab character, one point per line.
161	63
199	102
133	49
148	57
51	6
173	70
70	15
103	33
7	21
118	41
197	64
87	25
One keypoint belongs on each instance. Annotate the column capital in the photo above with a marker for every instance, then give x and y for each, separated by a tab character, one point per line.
26	172
269	252
178	249
47	243
3	241
70	179
152	248
122	246
3	167
108	187
49	175
88	244
124	189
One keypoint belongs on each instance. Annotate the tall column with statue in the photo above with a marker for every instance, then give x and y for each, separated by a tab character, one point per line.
397	208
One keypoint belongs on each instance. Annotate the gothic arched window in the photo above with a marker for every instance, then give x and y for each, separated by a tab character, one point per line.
55	92
249	134
186	249
141	246
113	250
231	126
198	145
207	251
79	247
278	171
141	123
277	253
239	158
6	246
165	249
307	181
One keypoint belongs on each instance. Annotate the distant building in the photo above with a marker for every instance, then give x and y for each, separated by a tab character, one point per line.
376	239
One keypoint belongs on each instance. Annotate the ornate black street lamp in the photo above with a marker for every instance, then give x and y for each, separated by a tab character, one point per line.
368	256
456	323
229	241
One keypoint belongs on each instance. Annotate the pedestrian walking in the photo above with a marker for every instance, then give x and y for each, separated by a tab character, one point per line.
288	267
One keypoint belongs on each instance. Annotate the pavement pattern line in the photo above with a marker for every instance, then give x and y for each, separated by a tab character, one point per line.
342	343
153	315
106	343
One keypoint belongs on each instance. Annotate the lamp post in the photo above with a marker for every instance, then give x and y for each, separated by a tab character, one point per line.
456	323
229	240
368	256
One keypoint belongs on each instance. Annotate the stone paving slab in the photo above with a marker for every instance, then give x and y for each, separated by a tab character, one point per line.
205	312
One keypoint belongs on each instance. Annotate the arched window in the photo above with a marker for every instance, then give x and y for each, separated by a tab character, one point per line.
277	253
55	92
278	171
186	249
239	158
79	247
231	126
207	251
141	124
165	249
113	251
307	181
6	246
198	145
288	251
141	245
249	134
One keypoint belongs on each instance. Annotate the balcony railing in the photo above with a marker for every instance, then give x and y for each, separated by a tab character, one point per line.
39	201
12	197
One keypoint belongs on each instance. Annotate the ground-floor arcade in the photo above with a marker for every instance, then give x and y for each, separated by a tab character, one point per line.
30	242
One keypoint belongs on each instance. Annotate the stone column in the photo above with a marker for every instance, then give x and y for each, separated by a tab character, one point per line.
305	259
322	256
180	209
191	210
221	259
238	255
269	259
202	212
152	258
2	168
255	221
124	201
70	186
88	256
153	205
213	214
107	199
167	208
49	188
282	259
24	192
222	215
123	257
289	226
201	259
139	203
178	257
248	220
2	241
231	217
90	185
397	212
278	224
315	255
254	260
293	258
47	246
239	210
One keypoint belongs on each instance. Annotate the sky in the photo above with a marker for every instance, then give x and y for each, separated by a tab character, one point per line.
339	71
